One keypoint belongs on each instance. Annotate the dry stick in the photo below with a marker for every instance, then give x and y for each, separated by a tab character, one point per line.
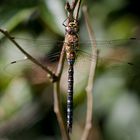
50	73
70	9
76	2
61	62
53	77
57	107
89	87
78	9
57	110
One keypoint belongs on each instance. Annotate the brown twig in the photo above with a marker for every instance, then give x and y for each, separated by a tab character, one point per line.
70	10
89	87
46	69
56	92
52	76
78	9
57	110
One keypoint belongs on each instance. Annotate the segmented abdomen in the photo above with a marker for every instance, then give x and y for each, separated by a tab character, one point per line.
70	95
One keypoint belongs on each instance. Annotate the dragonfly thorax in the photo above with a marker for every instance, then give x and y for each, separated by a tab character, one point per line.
71	45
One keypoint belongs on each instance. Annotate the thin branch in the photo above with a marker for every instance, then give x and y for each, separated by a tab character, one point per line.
73	5
54	78
61	63
51	75
89	28
57	106
78	9
57	110
70	9
89	87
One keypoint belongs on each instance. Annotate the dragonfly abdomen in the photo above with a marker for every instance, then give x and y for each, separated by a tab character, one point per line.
70	97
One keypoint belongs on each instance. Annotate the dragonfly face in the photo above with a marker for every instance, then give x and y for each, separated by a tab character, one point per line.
72	27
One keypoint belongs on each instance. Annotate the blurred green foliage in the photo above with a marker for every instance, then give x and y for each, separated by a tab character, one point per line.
26	95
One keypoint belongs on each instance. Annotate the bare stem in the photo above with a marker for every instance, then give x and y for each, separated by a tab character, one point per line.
57	110
61	63
57	106
54	78
50	73
70	9
89	87
77	14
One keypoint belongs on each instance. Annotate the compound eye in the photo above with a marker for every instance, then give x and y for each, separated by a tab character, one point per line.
67	29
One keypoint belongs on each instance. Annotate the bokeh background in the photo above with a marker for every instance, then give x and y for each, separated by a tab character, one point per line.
26	94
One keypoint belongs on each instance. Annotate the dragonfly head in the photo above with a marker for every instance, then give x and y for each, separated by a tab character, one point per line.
73	27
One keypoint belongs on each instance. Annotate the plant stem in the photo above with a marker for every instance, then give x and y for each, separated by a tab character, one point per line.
89	87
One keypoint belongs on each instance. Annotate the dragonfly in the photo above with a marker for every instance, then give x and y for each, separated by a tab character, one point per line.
74	53
71	45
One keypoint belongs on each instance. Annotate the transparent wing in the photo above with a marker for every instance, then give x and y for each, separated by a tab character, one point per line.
116	49
113	53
